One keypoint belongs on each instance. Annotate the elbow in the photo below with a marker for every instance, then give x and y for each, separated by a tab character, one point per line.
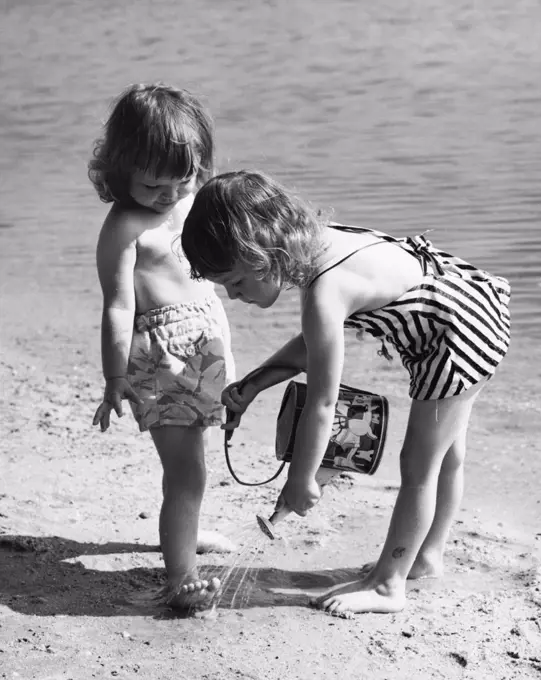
325	407
117	317
115	308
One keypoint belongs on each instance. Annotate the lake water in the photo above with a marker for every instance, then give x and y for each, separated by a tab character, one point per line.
403	116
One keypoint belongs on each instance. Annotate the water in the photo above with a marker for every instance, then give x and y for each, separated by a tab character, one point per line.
403	116
238	578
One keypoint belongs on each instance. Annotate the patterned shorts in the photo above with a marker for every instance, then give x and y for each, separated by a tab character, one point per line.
180	361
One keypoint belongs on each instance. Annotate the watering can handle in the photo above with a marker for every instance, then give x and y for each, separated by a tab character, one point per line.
229	417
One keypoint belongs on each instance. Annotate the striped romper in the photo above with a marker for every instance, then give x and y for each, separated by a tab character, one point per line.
451	331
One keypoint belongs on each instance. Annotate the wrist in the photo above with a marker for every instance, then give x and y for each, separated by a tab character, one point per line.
251	379
249	385
114	377
299	473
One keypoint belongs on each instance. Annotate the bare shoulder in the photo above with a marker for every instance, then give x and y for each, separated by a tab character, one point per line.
324	301
338	293
124	224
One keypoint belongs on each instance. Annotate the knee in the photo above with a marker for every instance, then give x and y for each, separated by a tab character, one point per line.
184	479
182	455
454	460
417	469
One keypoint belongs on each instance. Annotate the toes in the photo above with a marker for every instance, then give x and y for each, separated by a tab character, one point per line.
199	586
194	595
335	607
214	584
345	614
323	602
318	601
330	606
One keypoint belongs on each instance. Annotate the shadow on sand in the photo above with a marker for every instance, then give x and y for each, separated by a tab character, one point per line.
46	576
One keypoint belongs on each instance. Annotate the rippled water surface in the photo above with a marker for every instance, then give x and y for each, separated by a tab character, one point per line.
404	116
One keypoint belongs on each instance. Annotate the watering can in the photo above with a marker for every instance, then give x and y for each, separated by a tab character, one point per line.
356	443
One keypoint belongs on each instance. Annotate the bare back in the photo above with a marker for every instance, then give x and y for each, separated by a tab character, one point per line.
367	272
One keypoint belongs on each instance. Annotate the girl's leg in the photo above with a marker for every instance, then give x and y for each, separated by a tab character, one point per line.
429	561
181	450
209	541
432	429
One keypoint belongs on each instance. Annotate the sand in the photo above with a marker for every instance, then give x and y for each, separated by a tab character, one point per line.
79	564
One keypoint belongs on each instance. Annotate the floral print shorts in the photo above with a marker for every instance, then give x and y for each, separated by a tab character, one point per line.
180	361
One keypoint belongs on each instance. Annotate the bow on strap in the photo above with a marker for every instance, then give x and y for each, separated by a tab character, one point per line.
427	253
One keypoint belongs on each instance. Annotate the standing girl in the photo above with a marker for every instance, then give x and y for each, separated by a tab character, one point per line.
448	321
165	337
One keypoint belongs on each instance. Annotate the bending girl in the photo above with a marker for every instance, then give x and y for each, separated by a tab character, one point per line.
447	320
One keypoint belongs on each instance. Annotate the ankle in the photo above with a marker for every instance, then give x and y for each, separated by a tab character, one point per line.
178	577
429	555
428	564
387	586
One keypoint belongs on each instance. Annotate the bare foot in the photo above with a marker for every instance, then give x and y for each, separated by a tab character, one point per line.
359	597
425	566
193	594
366	569
212	541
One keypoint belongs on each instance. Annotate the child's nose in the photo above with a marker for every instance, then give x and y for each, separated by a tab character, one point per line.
170	192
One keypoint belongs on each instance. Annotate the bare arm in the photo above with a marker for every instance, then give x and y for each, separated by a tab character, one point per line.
116	256
284	364
324	313
323	328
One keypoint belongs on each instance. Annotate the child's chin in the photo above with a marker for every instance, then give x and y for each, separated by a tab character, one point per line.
163	207
266	304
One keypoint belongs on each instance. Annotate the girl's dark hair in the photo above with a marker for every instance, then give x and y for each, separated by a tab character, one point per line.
248	218
152	128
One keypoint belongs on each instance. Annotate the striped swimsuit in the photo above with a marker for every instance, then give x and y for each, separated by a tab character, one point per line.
451	331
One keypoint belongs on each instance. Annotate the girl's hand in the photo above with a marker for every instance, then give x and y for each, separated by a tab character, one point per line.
236	398
116	389
299	494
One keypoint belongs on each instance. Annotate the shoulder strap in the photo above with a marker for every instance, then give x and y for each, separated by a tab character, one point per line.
334	263
364	230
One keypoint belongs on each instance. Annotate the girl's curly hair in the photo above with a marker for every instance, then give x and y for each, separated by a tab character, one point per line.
152	128
250	218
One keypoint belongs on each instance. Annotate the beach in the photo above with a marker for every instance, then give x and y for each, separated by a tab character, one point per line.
80	565
391	117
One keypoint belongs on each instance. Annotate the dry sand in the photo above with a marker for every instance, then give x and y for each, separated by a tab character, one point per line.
78	531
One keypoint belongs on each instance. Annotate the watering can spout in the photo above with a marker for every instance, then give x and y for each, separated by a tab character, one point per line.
267	525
